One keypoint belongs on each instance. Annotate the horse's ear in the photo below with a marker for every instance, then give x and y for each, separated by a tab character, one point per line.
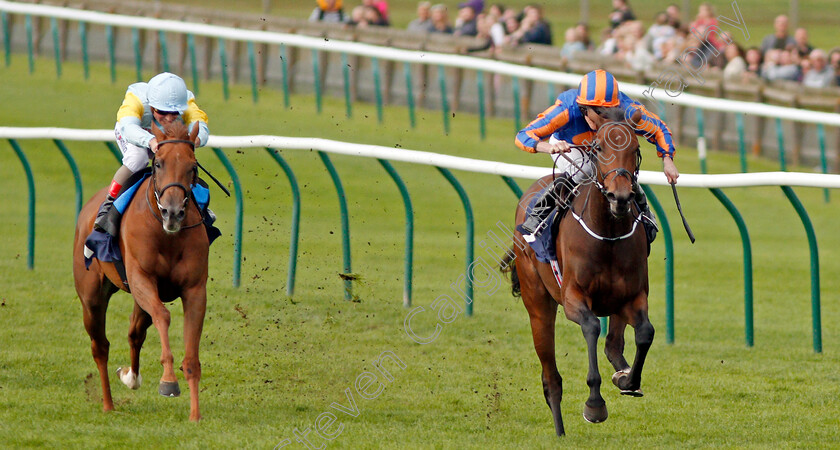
194	131
636	118
157	132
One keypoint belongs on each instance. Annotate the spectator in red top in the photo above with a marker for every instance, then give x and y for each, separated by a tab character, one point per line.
703	24
380	5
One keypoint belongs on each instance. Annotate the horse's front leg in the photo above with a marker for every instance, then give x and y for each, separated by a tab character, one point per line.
614	347
195	303
631	382
595	409
145	292
140	322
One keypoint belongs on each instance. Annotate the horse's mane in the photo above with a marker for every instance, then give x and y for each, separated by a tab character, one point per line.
177	129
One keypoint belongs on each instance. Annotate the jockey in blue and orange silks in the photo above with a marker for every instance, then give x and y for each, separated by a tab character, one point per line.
574	119
164	99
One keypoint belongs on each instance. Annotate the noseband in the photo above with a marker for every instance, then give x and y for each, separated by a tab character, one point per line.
159	193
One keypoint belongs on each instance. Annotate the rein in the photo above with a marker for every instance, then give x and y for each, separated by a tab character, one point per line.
158	193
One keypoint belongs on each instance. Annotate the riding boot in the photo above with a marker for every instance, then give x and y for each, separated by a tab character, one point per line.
543	206
647	216
107	217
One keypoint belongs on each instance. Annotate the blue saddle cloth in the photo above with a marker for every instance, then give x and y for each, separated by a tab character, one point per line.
105	247
543	246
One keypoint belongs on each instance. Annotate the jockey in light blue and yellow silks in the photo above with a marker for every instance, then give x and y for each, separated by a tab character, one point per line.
163	99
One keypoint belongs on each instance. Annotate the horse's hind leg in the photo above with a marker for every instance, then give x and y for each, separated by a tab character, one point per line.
595	409
542	310
94	308
140	322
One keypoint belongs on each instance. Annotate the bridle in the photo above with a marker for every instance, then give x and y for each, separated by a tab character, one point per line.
600	179
159	193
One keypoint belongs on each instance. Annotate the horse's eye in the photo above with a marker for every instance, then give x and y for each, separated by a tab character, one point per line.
157	165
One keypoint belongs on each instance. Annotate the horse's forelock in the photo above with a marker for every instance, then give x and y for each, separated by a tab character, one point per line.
177	129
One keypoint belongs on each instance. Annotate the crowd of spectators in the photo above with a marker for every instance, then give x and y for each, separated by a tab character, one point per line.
702	43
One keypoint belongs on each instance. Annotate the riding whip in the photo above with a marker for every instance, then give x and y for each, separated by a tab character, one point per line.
219	183
679	208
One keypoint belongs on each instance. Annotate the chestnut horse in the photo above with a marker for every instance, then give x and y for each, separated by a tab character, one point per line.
165	256
602	253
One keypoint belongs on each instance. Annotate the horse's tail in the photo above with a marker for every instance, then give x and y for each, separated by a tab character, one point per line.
508	265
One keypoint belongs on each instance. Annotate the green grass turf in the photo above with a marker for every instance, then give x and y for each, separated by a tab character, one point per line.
272	364
758	14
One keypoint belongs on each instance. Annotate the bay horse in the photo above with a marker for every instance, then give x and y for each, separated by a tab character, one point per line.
165	256
602	254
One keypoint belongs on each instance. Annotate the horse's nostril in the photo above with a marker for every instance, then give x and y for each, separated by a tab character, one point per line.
610	196
181	214
164	212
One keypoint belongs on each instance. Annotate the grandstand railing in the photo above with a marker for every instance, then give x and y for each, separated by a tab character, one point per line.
518	73
444	163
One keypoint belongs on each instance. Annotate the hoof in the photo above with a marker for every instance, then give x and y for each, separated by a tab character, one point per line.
633	393
169	389
127	376
596	414
617	378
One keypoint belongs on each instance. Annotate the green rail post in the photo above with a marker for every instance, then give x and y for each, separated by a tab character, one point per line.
285	69
377	88
748	273
56	46
465	200
701	140
293	244
193	65
669	263
138	55
77	177
444	101
663	113
345	71
552	93
409	94
252	62
316	79
30	235
517	105
29	47
816	318
409	230
164	50
482	120
7	37
780	136
83	37
823	160
114	151
345	225
237	242
742	148
112	52
513	186
223	63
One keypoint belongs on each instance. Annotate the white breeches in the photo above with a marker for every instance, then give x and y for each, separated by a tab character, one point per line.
134	157
564	166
